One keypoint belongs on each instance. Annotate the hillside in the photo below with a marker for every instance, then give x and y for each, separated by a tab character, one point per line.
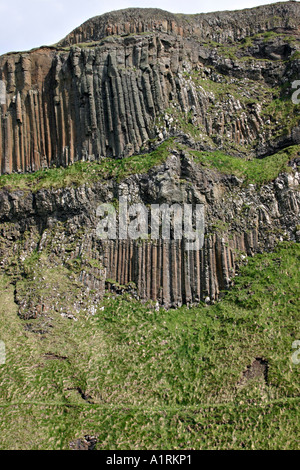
218	377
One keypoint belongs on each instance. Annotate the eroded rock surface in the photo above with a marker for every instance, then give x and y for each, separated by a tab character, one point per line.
120	85
126	80
240	220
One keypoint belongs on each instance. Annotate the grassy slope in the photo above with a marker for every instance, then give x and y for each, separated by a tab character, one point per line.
252	171
257	171
158	379
84	172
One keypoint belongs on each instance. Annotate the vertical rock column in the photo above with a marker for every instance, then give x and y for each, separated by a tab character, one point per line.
166	272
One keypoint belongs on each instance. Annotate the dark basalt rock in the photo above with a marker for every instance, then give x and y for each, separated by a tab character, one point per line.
128	78
86	443
119	85
239	219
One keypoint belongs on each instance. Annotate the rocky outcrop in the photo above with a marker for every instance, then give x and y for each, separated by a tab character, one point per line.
240	220
120	85
143	75
219	26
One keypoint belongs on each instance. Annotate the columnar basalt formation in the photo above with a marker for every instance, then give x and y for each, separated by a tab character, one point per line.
165	272
121	84
140	76
219	26
240	220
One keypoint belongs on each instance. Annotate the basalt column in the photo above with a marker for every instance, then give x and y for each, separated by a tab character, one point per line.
165	271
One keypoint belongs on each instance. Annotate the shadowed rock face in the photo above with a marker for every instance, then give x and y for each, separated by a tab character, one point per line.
219	81
239	221
145	74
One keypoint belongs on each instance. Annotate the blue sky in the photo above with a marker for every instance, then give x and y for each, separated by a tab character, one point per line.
32	23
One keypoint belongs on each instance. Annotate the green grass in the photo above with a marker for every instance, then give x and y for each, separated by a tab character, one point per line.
282	112
256	171
235	50
252	171
295	56
237	427
156	380
85	172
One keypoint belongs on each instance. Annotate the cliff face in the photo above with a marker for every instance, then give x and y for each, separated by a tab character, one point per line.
59	225
218	85
125	81
218	26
